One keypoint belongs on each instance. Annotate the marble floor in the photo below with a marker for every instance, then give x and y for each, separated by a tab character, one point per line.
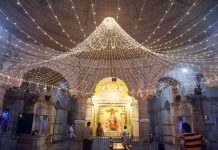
98	145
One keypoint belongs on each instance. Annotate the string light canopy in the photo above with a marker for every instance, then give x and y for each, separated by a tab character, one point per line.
108	51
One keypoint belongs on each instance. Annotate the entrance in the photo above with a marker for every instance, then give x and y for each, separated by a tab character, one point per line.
113	108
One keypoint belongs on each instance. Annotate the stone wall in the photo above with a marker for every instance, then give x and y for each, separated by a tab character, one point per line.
200	111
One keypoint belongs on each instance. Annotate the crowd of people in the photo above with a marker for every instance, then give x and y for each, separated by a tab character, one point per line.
188	140
88	134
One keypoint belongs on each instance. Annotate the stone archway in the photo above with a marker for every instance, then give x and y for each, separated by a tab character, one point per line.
167	92
50	89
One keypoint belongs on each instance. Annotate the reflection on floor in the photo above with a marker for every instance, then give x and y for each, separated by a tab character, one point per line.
104	143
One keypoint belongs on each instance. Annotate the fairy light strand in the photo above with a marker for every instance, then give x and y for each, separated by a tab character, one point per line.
188	30
38	27
59	23
174	26
159	24
184	42
26	34
118	10
94	13
94	57
77	18
140	15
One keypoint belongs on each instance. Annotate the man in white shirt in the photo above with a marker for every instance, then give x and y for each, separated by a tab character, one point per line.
125	132
72	134
87	135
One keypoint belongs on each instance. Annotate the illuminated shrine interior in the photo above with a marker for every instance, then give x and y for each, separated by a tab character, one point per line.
141	66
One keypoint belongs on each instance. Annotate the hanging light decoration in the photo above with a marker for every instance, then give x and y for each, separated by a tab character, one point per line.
109	51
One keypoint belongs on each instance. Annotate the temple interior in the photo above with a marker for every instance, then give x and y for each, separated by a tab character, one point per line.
149	65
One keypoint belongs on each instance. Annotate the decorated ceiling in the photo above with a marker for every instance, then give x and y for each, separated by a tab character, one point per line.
85	41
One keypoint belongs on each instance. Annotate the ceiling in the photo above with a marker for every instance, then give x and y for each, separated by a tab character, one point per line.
130	16
164	27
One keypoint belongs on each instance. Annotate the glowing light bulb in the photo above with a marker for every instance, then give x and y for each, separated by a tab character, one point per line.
184	70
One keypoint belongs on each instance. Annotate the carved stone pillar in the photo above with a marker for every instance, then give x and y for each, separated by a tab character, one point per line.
81	108
3	88
135	112
88	109
143	118
175	119
198	123
6	83
80	114
2	94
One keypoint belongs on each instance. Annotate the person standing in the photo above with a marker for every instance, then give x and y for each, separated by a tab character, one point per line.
191	140
151	138
125	133
87	135
99	130
72	134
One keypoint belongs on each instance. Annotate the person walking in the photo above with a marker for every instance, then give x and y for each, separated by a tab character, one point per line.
99	130
191	140
87	135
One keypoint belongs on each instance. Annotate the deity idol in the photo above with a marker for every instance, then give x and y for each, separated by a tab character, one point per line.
112	121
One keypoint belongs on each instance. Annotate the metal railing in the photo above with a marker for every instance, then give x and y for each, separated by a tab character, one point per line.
103	143
99	143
